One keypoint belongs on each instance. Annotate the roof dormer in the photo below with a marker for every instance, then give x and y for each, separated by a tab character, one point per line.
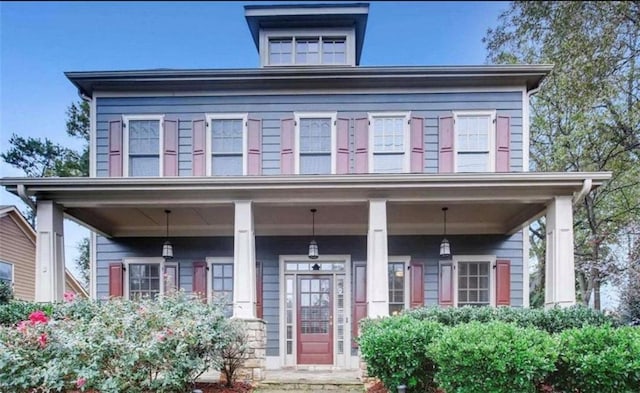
308	34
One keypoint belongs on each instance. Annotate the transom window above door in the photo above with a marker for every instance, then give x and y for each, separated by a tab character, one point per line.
474	142
226	141
389	143
315	139
143	144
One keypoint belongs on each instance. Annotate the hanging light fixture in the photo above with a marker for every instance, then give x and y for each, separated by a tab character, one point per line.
445	247
167	248
313	246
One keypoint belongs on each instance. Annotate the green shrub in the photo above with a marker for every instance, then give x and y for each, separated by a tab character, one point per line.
552	320
493	357
6	293
16	311
598	360
116	346
396	351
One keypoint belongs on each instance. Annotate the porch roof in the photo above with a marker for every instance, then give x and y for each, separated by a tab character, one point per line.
488	203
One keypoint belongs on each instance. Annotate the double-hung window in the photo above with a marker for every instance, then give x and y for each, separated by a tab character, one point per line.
474	141
227	141
143	145
221	283
6	273
315	139
150	277
398	284
389	142
473	285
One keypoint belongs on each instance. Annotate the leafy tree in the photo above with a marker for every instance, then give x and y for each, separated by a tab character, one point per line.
586	116
82	261
38	157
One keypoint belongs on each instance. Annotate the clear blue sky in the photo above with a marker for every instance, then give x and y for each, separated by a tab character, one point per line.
39	41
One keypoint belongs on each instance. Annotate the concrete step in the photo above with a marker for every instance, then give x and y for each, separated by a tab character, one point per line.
309	387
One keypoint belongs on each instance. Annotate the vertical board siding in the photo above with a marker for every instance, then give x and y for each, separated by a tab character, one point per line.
273	108
269	249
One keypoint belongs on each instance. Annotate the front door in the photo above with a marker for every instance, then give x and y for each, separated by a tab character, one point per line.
315	319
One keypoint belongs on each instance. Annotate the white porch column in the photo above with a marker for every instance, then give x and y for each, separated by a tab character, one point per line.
377	260
559	270
49	252
244	262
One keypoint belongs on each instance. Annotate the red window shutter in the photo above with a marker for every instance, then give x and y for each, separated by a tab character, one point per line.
445	291
503	282
416	280
287	141
199	147
342	146
170	129
200	280
254	147
362	145
359	297
115	279
445	157
259	297
115	148
502	143
417	144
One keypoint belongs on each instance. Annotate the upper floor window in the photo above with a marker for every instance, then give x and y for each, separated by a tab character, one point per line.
389	143
315	139
143	144
221	282
6	273
474	142
150	277
307	46
227	144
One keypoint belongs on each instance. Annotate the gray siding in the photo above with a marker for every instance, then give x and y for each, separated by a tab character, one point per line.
269	249
273	108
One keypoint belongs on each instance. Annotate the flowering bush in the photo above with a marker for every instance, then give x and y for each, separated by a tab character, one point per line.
115	346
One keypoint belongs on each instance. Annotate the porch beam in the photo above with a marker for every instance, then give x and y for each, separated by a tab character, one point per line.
377	260
244	262
49	274
560	269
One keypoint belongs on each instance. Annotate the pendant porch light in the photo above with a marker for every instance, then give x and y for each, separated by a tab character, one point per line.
313	246
167	247
445	247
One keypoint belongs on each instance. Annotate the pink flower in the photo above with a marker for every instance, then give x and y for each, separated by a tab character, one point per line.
38	317
42	340
160	336
69	297
80	382
22	327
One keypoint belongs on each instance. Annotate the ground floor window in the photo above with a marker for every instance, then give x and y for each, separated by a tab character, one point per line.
474	277
150	277
221	282
6	273
398	284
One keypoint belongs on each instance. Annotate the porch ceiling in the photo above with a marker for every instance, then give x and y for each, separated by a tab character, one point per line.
478	203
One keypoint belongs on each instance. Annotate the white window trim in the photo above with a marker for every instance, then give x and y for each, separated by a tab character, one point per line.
150	260
209	136
13	271
334	143
267	34
216	261
492	136
406	162
406	261
476	258
125	141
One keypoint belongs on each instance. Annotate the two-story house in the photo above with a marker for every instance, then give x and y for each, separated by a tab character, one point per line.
312	191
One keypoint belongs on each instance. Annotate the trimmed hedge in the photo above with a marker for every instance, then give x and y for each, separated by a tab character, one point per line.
598	360
552	320
396	351
493	357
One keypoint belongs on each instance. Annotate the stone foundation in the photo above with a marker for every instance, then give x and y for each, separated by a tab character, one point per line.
254	365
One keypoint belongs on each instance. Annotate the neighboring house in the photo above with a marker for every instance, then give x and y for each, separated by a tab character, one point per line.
18	256
241	156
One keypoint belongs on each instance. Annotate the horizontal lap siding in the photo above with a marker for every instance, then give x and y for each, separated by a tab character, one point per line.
272	108
18	249
269	249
